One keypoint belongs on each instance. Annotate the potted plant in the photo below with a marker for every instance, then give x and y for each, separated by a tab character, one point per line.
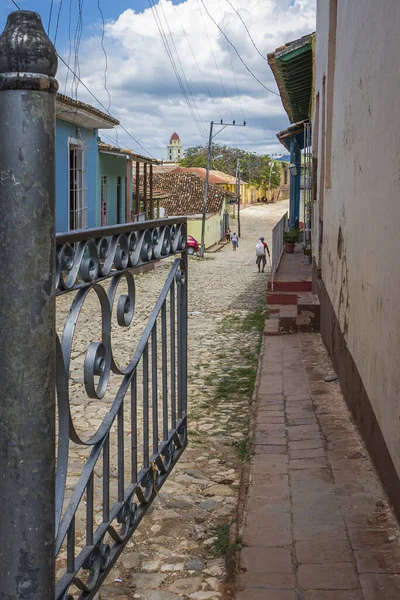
290	238
307	254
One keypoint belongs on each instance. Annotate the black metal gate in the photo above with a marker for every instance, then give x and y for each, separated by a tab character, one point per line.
66	493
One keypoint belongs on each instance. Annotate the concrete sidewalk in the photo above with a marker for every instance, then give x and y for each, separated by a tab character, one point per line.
317	523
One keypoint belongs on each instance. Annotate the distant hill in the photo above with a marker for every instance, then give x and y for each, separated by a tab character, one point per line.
285	158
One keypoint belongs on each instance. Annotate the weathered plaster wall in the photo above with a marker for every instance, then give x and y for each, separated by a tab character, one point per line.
359	253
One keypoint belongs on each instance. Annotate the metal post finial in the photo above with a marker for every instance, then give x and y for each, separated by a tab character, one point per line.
28	59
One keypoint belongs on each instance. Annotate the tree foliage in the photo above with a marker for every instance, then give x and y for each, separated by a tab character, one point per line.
254	168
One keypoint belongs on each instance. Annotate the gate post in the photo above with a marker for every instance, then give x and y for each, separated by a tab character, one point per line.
28	64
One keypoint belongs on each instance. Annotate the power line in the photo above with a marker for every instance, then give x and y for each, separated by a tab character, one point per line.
232	69
215	62
172	60
248	32
105	53
183	70
196	61
235	49
97	100
51	12
69	43
58	22
104	108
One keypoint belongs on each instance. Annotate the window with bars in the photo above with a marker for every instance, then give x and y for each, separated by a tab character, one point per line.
103	200
77	184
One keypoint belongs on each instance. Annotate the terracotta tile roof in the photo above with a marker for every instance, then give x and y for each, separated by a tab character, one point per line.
175	136
226	177
67	101
186	193
201	172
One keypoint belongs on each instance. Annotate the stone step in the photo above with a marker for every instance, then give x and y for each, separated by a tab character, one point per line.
290	286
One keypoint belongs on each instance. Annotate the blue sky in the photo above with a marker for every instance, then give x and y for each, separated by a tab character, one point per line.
137	72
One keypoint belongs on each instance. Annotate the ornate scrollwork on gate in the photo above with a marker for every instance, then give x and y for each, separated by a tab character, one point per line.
145	423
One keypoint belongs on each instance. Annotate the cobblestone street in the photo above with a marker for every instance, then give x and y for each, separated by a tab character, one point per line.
178	550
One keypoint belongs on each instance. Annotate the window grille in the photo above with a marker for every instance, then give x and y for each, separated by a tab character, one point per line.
103	200
77	185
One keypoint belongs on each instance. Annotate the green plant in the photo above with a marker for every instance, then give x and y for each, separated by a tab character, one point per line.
221	543
291	237
242	448
307	250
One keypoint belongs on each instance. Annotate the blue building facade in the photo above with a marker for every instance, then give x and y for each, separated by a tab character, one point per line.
94	183
78	179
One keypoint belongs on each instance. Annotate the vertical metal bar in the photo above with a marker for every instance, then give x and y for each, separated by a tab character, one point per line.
151	193
145	190
184	327
27	325
71	547
137	189
180	349
146	406
173	354
164	366
89	511
120	452
154	387
106	480
134	428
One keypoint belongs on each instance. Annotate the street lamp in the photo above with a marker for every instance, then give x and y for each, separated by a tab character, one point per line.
293	169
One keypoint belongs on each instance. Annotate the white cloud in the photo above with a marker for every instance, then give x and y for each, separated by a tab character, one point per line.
145	94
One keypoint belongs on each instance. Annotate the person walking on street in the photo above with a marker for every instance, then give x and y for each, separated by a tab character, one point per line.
235	242
228	235
261	254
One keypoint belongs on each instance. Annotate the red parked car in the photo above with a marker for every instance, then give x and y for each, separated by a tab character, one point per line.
192	245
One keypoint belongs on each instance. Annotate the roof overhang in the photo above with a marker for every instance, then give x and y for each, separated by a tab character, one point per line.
81	114
125	153
292	66
295	132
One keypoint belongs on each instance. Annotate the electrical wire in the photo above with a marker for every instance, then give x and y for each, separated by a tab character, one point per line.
50	15
232	69
197	63
172	60
214	59
237	52
77	43
58	22
182	69
97	100
105	53
237	88
104	108
69	43
247	29
110	139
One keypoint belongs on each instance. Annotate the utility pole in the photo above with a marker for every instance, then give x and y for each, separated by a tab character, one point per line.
203	220
209	148
238	191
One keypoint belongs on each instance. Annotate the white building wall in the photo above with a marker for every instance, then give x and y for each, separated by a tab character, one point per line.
360	251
